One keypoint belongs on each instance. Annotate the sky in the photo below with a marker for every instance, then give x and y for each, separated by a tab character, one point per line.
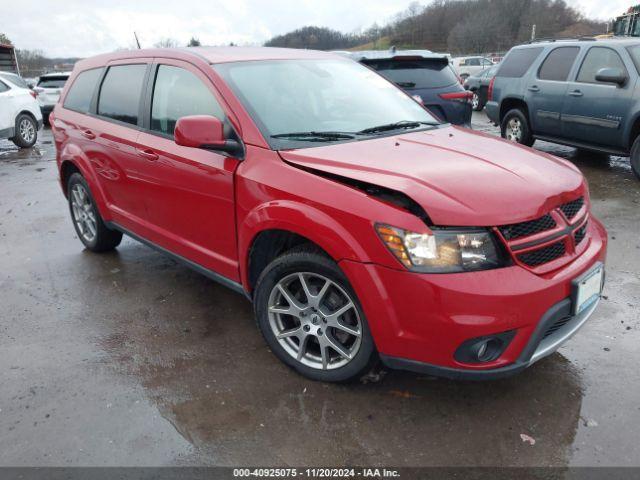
66	28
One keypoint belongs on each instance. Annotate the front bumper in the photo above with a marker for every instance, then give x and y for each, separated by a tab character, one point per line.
418	321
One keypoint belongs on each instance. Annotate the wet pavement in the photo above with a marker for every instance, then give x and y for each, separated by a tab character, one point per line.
128	358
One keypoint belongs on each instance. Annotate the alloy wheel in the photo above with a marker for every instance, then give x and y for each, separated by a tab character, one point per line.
315	320
27	130
514	130
84	215
475	101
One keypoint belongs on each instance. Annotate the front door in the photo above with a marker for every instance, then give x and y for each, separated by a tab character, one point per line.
595	112
546	90
190	191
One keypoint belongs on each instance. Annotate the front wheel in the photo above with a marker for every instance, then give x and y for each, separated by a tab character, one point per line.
515	128
311	318
90	227
635	157
26	131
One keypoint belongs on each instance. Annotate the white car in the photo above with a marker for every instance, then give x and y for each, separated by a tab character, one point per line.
469	66
20	116
48	90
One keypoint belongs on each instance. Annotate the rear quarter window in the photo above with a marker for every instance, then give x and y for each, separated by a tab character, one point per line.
415	74
81	91
518	61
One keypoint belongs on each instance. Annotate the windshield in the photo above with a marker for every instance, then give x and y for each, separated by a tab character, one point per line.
415	74
309	96
52	82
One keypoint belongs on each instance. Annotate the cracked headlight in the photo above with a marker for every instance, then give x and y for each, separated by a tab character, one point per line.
443	251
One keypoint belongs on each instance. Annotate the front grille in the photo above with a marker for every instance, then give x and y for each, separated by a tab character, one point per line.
571	209
525	229
557	325
580	234
543	255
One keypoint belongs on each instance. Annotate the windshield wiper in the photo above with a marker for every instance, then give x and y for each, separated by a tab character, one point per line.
403	124
317	136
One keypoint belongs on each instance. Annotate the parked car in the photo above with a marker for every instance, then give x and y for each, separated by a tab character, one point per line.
479	86
359	225
425	75
582	93
468	66
20	117
48	91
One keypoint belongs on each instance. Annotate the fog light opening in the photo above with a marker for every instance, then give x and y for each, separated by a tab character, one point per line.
484	349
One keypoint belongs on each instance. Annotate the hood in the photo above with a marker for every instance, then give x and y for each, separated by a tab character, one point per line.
460	177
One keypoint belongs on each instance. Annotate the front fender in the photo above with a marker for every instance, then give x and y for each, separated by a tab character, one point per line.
304	220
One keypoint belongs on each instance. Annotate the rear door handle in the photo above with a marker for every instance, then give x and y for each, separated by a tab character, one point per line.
576	93
88	134
147	153
534	88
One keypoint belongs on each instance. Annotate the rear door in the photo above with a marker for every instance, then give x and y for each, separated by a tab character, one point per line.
595	112
546	90
189	191
6	110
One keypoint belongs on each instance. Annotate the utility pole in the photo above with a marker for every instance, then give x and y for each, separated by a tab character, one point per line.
533	32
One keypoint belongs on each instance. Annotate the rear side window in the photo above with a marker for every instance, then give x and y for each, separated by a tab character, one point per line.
15	79
558	64
3	87
518	61
596	59
81	92
120	93
53	81
178	93
420	73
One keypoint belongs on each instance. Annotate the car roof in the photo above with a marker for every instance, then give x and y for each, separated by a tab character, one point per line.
210	55
393	54
624	41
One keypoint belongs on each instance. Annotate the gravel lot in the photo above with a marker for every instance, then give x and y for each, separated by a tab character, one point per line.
128	358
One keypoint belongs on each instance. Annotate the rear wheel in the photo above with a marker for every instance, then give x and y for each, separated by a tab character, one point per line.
515	128
476	102
311	318
635	157
90	227
26	131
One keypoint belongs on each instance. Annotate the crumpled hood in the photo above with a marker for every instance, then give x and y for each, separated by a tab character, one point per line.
459	176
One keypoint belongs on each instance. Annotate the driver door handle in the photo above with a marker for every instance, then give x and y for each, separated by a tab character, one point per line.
576	93
147	153
88	134
534	88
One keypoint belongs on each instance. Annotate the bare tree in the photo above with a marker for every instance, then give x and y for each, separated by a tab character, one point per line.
166	43
194	42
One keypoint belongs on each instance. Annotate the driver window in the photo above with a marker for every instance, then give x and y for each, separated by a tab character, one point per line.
178	93
596	59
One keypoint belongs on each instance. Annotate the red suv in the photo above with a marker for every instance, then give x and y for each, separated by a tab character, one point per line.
360	226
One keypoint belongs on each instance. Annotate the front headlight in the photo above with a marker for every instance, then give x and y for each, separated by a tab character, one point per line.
444	251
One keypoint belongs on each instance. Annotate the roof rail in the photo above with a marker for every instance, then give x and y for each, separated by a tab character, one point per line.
564	39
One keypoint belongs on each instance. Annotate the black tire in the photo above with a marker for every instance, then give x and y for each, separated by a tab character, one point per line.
103	239
524	137
309	260
26	133
634	158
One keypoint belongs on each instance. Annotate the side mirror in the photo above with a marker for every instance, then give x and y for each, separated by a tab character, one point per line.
204	131
611	75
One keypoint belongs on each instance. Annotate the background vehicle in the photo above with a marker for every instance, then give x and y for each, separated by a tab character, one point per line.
20	117
48	91
627	24
340	206
426	75
581	93
479	86
467	66
8	59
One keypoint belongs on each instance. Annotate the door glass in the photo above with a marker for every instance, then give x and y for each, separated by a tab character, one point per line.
3	87
178	93
558	64
518	61
474	62
596	59
121	91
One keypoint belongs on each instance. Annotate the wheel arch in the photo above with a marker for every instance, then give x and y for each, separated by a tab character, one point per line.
270	230
73	160
511	103
633	132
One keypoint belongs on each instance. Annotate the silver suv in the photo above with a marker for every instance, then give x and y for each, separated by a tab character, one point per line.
582	93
